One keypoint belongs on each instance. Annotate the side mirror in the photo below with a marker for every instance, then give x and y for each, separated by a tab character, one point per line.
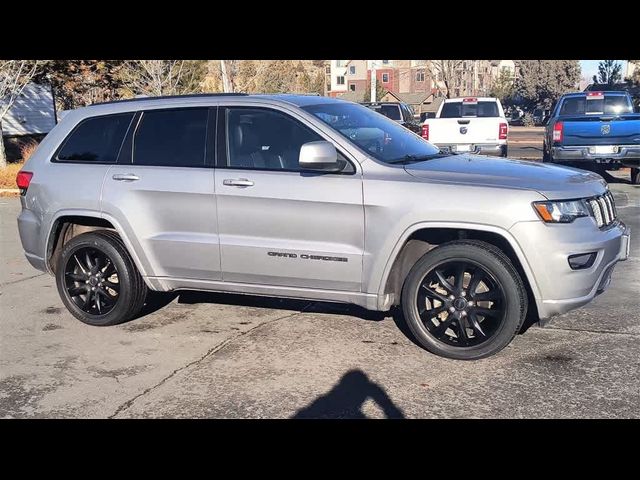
320	156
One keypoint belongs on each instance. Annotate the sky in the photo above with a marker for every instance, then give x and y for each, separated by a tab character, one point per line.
590	67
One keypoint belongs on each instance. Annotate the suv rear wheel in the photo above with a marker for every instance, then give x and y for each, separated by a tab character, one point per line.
464	300
635	175
98	281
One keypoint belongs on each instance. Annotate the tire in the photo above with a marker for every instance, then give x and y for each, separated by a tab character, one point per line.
635	175
546	156
504	151
498	321
97	265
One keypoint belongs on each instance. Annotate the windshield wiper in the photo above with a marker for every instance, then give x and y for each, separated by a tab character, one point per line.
418	158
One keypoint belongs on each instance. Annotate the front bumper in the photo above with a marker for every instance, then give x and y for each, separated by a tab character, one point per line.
547	248
626	154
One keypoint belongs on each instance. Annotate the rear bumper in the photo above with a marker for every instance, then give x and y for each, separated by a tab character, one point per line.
30	230
626	154
547	248
476	148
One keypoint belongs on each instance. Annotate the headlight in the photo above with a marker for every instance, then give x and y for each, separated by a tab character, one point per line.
561	211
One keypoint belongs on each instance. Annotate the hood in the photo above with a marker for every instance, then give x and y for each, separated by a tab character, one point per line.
552	181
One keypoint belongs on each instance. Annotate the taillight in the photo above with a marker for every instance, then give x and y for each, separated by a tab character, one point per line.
23	179
557	132
425	132
502	131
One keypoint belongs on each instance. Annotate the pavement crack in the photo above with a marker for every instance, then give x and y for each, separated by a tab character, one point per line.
586	330
22	279
212	351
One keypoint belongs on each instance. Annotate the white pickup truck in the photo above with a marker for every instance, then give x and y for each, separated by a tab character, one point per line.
469	124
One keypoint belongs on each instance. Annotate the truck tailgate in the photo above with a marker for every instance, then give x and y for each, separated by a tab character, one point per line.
601	130
445	131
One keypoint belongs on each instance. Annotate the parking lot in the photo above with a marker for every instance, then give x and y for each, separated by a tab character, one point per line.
229	356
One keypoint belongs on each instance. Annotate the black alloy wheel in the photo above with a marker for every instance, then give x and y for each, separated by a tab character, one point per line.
91	281
464	300
98	281
460	303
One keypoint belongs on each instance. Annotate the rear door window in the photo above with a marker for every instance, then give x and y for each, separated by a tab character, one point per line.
173	138
96	140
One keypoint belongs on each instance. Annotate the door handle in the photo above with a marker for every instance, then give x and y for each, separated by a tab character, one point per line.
125	177
237	182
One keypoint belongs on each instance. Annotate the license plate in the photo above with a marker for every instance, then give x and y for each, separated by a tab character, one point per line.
463	148
598	149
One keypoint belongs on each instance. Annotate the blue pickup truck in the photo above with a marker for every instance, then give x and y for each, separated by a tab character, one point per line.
596	128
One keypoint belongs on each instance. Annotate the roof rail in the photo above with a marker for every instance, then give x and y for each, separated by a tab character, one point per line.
163	97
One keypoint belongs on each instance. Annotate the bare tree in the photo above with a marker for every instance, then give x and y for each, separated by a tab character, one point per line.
163	77
445	72
14	76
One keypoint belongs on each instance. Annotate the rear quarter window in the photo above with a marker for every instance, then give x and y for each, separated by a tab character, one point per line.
96	140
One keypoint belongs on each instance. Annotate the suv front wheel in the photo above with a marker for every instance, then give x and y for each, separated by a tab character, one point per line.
98	281
464	300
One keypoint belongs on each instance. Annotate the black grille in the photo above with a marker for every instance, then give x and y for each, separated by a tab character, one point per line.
603	209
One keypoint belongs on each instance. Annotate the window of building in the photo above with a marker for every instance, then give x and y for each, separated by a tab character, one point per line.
96	140
340	63
340	79
171	138
385	62
352	87
352	69
420	76
385	78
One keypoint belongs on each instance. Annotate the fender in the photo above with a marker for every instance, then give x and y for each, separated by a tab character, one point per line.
467	226
139	262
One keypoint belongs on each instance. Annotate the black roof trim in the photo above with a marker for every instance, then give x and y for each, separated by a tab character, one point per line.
164	97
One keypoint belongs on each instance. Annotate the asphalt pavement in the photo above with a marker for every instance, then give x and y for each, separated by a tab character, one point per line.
525	142
233	356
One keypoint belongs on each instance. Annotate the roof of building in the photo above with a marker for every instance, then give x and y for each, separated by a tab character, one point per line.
414	98
352	96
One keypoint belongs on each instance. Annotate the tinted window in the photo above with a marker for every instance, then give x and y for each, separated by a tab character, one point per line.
460	109
96	139
380	137
171	138
389	111
608	105
267	139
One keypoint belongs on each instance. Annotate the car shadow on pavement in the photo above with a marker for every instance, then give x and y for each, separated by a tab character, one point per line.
158	300
346	398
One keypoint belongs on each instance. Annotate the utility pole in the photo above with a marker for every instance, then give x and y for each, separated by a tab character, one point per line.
227	86
373	81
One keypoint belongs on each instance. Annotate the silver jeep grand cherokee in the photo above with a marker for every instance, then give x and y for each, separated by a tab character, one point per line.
315	198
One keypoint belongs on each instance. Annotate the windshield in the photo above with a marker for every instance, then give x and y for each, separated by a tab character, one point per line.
607	105
383	139
477	109
389	111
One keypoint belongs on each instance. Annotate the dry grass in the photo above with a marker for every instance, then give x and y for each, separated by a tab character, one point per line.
8	175
27	149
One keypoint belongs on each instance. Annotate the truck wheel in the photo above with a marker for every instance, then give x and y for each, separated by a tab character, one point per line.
635	175
98	281
504	151
464	300
546	157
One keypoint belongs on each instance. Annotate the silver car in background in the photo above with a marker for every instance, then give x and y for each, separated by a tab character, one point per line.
315	198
